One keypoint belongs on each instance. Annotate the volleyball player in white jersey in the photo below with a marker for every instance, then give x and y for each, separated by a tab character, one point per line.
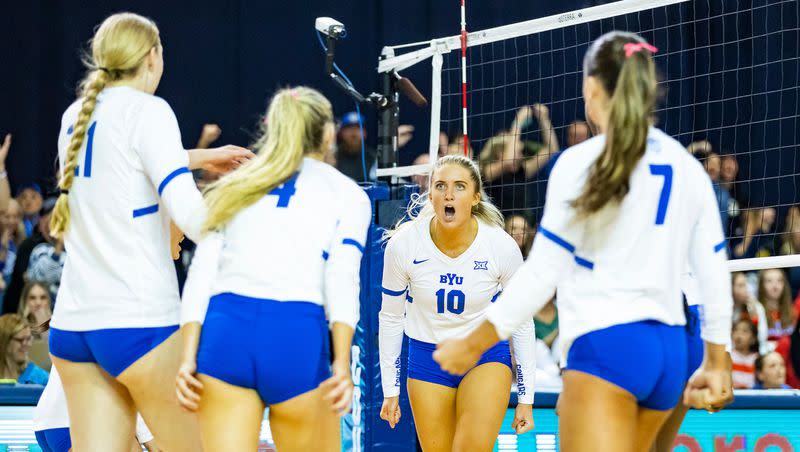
625	212
124	174
51	417
286	234
442	271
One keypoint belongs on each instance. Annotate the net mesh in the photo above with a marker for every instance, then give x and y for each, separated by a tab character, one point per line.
730	82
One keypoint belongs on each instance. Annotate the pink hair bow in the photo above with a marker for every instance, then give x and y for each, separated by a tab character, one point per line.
633	47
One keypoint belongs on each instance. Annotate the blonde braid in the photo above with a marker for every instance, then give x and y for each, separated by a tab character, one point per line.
59	222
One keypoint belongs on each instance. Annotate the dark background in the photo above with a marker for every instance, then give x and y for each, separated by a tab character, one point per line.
224	58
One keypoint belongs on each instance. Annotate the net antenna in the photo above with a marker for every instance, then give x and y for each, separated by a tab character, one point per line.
386	102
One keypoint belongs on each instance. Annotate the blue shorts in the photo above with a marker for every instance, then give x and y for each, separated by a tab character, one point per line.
647	359
280	349
421	365
113	349
696	349
54	440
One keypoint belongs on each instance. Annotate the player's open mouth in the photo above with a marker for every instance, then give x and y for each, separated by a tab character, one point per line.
449	212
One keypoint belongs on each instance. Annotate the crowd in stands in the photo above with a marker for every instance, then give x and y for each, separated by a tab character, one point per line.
516	164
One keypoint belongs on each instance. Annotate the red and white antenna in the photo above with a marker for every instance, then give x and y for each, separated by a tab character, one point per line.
464	75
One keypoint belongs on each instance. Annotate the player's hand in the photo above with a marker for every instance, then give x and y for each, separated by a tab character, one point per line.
390	410
188	387
223	159
709	389
4	148
338	389
456	356
523	418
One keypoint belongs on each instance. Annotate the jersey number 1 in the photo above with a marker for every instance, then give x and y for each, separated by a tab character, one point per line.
87	164
664	171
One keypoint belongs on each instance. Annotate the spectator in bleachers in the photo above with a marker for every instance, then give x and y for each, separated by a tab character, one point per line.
40	235
30	199
11	219
46	264
546	323
727	181
10	227
791	245
747	307
15	342
455	146
508	162
773	293
444	142
423	180
744	353
756	234
348	150
35	306
520	229
770	372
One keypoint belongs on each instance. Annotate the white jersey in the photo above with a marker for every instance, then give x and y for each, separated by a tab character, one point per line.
301	242
51	410
434	297
625	263
132	177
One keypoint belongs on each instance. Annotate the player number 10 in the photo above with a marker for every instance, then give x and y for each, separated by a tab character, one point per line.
455	301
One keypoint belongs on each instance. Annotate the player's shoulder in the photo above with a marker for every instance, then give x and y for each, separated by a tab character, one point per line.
678	153
576	159
339	185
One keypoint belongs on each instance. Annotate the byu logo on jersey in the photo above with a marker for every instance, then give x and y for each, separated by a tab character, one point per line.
481	265
450	279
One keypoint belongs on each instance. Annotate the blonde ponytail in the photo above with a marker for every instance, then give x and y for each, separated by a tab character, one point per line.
630	80
118	49
420	208
294	126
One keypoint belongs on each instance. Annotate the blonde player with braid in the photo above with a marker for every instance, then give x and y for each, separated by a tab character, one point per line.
124	175
285	239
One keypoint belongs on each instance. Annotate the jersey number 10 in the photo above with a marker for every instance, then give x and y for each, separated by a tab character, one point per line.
455	301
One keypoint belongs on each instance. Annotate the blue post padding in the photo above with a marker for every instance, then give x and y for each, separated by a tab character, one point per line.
364	430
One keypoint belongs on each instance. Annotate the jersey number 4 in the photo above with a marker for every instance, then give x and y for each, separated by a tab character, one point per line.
664	171
285	191
455	301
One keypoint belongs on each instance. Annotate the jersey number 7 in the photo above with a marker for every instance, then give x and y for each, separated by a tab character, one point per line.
664	171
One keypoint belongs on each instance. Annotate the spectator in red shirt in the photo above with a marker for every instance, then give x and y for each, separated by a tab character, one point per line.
744	354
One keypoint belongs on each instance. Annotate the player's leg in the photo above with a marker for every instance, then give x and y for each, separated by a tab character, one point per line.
434	410
150	379
665	437
230	416
481	404
661	412
594	414
304	422
695	350
101	411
